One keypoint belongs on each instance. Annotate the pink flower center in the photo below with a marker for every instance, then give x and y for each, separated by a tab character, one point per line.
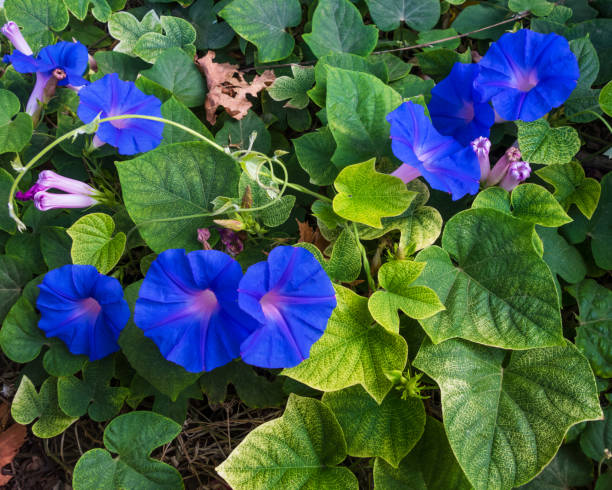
467	112
120	123
205	301
269	303
90	307
526	81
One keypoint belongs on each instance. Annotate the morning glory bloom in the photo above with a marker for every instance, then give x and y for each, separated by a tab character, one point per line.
63	64
110	97
292	298
526	74
84	309
79	194
188	306
455	107
445	164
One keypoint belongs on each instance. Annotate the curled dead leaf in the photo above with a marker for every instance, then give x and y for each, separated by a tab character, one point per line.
11	441
227	87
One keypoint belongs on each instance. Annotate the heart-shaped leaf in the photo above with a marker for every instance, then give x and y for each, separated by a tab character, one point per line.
127	29
15	132
539	143
178	33
533	203
420	15
132	436
299	450
295	89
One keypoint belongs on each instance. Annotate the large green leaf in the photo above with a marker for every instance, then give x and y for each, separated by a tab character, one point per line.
29	405
144	356
366	196
431	465
175	70
127	29
415	301
301	449
314	152
570	469
38	18
533	203
479	16
540	8
295	89
505	413
178	33
176	111
572	187
14	273
594	336
501	292
357	104
101	9
93	242
92	394
419	15
15	131
353	350
132	436
174	183
264	24
337	27
211	32
389	430
539	143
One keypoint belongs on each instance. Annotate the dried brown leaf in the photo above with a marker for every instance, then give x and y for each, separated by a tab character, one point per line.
11	441
227	87
310	235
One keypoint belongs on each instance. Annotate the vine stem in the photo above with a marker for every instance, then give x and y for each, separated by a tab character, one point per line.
364	255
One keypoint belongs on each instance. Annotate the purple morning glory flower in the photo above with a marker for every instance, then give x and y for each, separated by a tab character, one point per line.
455	107
44	201
525	74
292	298
188	306
13	34
441	160
65	62
111	96
84	309
517	173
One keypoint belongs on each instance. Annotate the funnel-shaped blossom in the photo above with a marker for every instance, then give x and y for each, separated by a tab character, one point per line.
110	97
84	309
482	147
188	306
44	201
14	35
517	173
441	160
455	107
65	62
292	298
525	74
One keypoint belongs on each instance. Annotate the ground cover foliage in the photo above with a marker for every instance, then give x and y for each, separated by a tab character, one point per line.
295	248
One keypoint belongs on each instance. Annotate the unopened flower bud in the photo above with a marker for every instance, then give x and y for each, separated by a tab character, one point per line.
482	147
230	224
517	173
45	201
203	237
51	180
500	169
14	35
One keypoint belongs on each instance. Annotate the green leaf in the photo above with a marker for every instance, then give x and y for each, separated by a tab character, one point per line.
411	86
264	24
301	449
563	259
15	133
175	70
438	62
581	100
569	469
415	301
539	8
6	222
366	196
124	65
439	34
211	33
594	334
29	405
14	273
347	61
176	111
600	226
604	481
572	187
55	246
101	9
314	152
127	29
144	356
501	293
605	99
420	15
587	61
20	338
37	19
295	89
178	33
93	242
474	17
533	203
431	465
133	437
337	27
174	183
353	350
597	437
238	133
395	66
539	143
357	104
389	430
505	413
93	394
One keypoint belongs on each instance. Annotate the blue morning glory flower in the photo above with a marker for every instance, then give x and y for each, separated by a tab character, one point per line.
84	309
455	108
444	163
292	298
111	96
188	306
64	61
525	74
